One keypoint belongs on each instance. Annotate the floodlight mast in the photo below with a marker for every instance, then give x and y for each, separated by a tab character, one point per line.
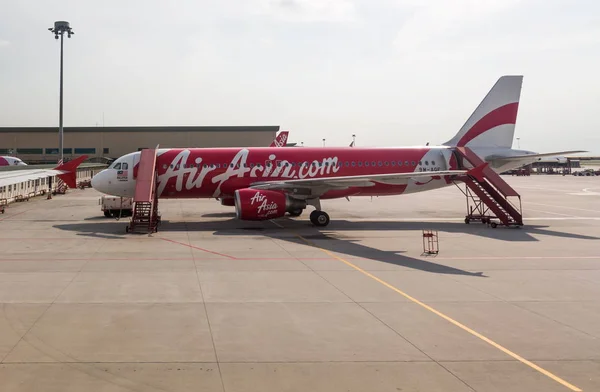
60	28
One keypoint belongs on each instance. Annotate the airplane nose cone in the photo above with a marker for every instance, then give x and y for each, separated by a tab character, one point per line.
99	182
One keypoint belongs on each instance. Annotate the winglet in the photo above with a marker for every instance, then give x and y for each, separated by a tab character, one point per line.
70	171
477	172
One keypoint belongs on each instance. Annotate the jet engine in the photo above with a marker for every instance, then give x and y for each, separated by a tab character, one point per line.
253	204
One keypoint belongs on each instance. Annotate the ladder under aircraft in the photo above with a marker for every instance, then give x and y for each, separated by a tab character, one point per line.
488	195
145	216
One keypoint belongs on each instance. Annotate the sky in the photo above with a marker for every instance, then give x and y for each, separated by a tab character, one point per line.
393	72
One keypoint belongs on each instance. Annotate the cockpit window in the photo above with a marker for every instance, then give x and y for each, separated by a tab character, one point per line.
117	166
124	166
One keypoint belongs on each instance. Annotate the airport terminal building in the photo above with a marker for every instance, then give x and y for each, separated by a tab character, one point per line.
40	144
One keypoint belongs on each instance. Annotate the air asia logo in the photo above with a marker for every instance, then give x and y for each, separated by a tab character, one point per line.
196	172
281	141
265	208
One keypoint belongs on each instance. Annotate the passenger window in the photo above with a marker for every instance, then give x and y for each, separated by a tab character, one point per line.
379	163
360	164
433	163
406	163
426	163
414	163
348	163
386	163
393	163
366	164
373	163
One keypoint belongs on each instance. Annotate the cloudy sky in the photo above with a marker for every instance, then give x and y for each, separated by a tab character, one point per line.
394	72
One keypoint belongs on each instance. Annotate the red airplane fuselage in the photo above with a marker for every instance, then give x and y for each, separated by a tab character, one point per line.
218	172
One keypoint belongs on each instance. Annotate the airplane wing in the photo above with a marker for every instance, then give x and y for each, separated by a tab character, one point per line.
323	184
66	172
530	156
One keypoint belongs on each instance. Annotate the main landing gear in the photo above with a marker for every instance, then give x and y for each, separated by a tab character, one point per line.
319	218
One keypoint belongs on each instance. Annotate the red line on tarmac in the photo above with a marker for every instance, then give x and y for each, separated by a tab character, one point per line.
283	258
101	259
164	259
519	258
18	213
202	249
57	238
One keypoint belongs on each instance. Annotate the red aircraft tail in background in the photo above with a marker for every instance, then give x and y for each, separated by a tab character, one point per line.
280	140
69	169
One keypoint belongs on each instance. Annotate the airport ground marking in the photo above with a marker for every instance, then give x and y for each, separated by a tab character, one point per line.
13	215
445	317
565	207
197	247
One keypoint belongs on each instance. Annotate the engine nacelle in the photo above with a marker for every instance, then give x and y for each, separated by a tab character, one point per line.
253	204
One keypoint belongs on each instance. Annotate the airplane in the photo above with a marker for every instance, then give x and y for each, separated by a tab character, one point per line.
280	140
267	183
11	161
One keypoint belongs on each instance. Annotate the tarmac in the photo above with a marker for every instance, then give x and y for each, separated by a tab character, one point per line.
210	303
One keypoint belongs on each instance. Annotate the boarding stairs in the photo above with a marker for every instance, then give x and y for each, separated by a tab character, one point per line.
145	217
489	197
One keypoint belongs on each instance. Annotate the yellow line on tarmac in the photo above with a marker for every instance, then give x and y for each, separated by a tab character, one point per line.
449	319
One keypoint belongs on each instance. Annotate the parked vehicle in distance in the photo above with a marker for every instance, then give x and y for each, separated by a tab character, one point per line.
586	172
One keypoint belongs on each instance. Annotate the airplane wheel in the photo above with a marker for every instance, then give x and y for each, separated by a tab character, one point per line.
107	213
494	225
467	221
319	218
126	229
296	212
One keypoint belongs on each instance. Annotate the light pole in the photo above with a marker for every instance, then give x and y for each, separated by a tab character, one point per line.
60	28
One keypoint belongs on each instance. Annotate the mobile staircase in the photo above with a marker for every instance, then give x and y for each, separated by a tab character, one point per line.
488	195
145	217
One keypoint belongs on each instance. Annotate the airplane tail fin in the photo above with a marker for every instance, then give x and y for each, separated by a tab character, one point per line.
492	124
69	169
280	140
